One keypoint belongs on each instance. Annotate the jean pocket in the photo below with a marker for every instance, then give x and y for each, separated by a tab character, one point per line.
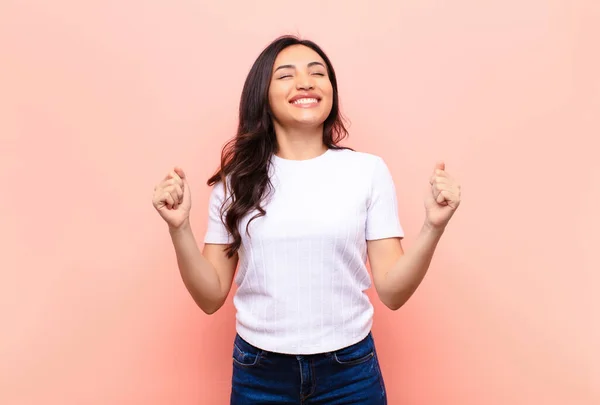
358	353
244	354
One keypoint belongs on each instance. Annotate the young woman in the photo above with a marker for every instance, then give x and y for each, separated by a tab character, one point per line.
301	215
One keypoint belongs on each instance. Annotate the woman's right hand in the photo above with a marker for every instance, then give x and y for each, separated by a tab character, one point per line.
172	198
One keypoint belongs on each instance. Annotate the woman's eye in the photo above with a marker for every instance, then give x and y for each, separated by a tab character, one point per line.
284	76
319	74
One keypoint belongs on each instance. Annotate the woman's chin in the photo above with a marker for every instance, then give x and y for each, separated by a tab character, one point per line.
308	120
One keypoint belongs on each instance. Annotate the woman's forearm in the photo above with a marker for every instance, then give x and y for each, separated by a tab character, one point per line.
199	275
406	274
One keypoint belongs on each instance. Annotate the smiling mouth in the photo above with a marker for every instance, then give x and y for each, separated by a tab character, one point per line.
305	101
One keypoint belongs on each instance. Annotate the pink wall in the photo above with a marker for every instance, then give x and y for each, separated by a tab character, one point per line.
99	98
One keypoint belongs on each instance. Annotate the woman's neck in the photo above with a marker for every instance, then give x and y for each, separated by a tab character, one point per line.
300	143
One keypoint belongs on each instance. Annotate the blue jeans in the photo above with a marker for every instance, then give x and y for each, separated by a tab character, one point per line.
347	376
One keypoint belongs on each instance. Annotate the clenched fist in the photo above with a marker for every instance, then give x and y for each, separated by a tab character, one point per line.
172	198
444	198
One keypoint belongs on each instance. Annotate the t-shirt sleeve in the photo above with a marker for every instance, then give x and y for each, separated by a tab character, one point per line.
215	229
382	213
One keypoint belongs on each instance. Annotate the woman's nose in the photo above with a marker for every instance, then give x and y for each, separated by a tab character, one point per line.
304	82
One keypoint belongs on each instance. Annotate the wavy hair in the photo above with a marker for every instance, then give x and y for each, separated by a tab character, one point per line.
246	158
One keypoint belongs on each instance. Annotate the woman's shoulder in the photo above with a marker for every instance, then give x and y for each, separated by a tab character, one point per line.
221	189
357	157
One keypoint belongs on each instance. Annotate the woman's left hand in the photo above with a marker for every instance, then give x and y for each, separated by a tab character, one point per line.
444	198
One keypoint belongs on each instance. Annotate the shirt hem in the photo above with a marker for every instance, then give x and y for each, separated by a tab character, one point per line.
318	350
216	238
394	234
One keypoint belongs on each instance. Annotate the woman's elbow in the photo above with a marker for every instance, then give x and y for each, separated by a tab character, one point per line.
209	308
391	301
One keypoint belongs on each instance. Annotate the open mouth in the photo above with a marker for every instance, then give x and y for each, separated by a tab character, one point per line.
305	101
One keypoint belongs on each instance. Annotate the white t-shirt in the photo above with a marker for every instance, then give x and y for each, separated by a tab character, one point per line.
302	272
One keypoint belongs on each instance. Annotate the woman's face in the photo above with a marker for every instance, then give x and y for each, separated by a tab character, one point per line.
300	93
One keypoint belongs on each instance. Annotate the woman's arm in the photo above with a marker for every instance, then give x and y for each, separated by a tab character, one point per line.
208	275
398	274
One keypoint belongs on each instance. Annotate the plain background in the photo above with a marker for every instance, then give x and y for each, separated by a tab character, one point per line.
99	99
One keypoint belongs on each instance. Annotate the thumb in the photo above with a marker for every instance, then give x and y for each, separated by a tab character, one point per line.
440	165
180	172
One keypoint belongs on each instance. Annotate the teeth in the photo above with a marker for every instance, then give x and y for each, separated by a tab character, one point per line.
305	101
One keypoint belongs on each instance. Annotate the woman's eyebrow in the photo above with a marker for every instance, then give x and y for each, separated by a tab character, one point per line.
294	67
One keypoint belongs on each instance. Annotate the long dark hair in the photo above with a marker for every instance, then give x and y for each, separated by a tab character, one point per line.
245	159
